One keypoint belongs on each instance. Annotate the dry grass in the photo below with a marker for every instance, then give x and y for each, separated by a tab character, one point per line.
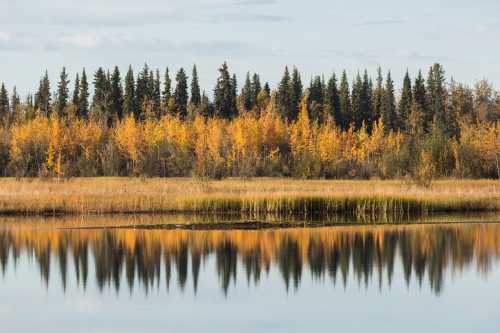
247	197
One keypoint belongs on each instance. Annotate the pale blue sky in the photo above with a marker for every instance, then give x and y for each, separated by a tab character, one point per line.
257	35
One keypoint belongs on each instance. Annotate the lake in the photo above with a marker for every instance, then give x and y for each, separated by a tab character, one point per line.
144	275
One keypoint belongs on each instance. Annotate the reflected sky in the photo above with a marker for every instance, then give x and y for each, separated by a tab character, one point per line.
285	280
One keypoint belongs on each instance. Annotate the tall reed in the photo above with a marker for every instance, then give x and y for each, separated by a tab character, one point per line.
249	198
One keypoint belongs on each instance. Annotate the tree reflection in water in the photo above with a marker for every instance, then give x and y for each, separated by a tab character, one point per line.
150	257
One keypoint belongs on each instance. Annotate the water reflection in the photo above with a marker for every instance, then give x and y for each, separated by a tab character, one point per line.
143	259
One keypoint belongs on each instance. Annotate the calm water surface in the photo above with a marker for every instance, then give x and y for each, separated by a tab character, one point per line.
57	277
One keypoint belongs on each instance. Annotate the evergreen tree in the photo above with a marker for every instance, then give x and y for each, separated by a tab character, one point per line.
436	96
129	103
15	101
4	104
224	102
378	95
29	111
181	93
76	91
345	101
157	93
43	96
142	91
102	97
366	102
284	97
316	90
62	92
234	93
356	102
247	94
388	109
205	108
256	88
332	99
267	89
99	87
167	88
296	92
195	88
83	98
316	98
419	95
116	104
405	102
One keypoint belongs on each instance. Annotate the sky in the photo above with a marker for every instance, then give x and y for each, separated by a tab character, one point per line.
317	36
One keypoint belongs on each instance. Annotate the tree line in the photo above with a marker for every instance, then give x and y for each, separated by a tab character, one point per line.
150	124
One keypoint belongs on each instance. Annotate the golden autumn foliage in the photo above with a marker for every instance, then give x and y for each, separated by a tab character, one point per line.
251	145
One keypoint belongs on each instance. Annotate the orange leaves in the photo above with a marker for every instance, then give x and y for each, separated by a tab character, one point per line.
330	143
89	137
32	133
245	145
254	144
209	143
129	137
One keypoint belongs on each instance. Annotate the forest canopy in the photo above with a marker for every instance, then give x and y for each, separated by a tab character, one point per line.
160	124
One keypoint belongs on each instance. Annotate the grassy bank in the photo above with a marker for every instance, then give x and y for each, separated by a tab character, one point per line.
251	198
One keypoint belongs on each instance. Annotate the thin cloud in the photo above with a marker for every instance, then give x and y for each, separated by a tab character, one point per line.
132	14
256	2
379	23
120	43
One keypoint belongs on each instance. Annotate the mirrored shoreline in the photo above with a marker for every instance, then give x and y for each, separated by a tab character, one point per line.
138	259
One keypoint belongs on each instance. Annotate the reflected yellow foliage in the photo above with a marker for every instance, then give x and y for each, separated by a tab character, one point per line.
422	249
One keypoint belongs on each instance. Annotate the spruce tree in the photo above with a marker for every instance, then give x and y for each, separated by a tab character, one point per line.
234	93
377	96
83	98
116	104
224	102
157	93
316	98
43	96
102	97
151	85
167	88
316	90
142	91
267	88
356	102
284	97
247	94
62	92
195	88
256	88
129	103
345	102
419	91
405	102
436	96
181	93
388	109
15	101
332	99
29	111
296	92
99	97
4	104
366	102
205	108
76	91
